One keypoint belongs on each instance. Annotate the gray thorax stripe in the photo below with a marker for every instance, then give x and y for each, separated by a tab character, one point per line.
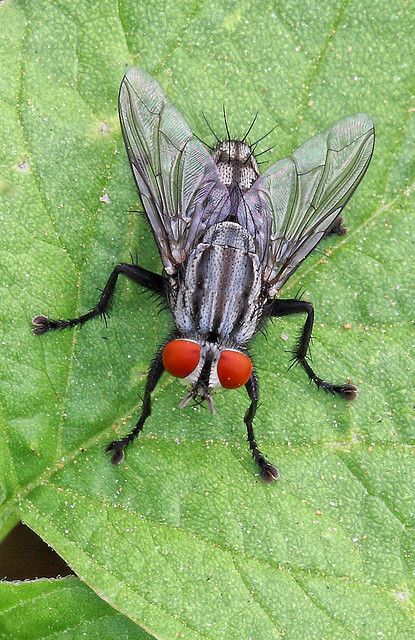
219	295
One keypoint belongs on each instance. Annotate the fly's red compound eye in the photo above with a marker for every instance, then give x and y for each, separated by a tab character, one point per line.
181	357
234	369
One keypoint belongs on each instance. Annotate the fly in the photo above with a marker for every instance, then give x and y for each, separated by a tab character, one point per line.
228	239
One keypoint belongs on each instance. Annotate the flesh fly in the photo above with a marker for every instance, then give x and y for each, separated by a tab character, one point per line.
228	239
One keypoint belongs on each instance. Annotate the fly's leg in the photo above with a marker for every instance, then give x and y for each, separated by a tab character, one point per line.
267	470
288	307
336	228
116	448
146	278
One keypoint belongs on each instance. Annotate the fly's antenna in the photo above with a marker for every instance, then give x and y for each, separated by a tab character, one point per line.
255	144
250	128
218	140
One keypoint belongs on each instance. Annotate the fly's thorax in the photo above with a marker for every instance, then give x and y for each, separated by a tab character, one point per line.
219	296
207	365
236	164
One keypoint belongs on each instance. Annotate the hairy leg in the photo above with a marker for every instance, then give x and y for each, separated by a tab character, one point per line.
145	278
287	307
116	447
267	470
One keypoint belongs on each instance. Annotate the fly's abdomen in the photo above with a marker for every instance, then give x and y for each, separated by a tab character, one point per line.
237	168
220	295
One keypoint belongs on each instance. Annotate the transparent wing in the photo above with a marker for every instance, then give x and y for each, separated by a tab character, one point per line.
289	208
177	178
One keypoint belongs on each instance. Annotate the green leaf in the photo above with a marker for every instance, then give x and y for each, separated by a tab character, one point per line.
183	538
63	608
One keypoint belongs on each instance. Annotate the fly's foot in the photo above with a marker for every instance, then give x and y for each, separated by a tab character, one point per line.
268	471
336	228
116	451
41	324
346	391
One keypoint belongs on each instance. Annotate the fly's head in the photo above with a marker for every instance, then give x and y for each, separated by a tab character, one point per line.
236	163
206	366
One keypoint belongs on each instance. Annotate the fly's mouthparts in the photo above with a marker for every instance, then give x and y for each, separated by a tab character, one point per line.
211	404
183	403
203	394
